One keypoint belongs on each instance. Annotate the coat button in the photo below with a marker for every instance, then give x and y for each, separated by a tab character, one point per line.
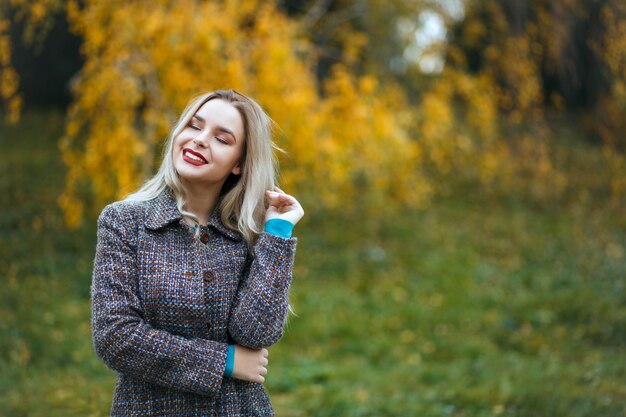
208	275
204	237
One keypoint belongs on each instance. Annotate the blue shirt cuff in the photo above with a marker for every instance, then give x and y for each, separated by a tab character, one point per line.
230	361
279	227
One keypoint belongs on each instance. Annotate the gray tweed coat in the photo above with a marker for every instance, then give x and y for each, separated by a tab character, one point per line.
165	306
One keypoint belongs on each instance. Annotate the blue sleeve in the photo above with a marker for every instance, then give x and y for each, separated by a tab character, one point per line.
230	361
279	227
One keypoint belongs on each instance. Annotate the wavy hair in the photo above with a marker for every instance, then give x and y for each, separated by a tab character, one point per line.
242	198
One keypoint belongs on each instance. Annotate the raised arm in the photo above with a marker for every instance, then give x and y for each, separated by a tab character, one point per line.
262	300
121	337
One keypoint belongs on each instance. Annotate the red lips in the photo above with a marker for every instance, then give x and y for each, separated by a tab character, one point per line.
194	158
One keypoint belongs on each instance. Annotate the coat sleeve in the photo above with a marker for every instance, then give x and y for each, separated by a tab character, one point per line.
121	337
262	301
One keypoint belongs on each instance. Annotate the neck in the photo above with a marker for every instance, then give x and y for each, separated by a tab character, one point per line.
201	201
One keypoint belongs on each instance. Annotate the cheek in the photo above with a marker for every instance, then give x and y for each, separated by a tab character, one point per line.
178	140
178	144
177	151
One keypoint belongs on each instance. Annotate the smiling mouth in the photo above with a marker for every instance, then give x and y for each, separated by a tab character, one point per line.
194	158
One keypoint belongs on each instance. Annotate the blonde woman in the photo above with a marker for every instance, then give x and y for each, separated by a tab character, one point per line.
191	273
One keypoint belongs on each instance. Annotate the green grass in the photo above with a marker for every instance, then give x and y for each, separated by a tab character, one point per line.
474	306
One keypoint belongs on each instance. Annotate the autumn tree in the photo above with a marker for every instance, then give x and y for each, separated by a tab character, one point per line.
346	136
524	65
365	130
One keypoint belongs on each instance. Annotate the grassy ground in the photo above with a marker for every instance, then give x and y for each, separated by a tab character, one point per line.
473	307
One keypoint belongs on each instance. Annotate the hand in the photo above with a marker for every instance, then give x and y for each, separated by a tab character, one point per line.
250	364
283	206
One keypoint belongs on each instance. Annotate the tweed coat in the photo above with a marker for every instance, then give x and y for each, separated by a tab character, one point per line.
165	306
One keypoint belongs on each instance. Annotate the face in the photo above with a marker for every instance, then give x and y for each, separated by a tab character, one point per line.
210	147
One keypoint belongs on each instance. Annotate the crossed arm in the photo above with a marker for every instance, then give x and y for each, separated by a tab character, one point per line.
129	345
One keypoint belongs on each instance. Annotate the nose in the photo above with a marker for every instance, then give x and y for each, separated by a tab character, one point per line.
201	140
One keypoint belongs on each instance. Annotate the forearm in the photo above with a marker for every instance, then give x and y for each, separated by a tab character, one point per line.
130	346
262	301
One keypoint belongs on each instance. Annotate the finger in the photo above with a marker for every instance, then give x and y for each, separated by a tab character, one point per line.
263	371
274	197
277	191
265	362
281	199
265	352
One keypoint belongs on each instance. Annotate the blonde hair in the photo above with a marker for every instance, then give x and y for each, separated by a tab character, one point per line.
242	201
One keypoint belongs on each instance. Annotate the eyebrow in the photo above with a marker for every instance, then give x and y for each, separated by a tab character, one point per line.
220	128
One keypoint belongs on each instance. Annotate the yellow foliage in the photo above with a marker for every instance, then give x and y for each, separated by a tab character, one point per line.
610	122
523	83
376	164
461	133
483	117
9	79
351	143
347	149
35	14
458	127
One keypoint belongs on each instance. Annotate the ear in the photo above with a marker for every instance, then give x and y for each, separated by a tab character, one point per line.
237	169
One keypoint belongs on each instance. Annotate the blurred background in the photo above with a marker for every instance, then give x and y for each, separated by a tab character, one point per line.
461	163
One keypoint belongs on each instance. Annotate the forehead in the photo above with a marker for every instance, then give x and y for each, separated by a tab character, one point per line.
221	113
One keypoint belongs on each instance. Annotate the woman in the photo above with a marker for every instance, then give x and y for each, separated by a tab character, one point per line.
192	271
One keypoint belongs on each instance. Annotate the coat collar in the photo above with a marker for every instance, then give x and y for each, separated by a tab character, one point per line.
163	211
215	222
